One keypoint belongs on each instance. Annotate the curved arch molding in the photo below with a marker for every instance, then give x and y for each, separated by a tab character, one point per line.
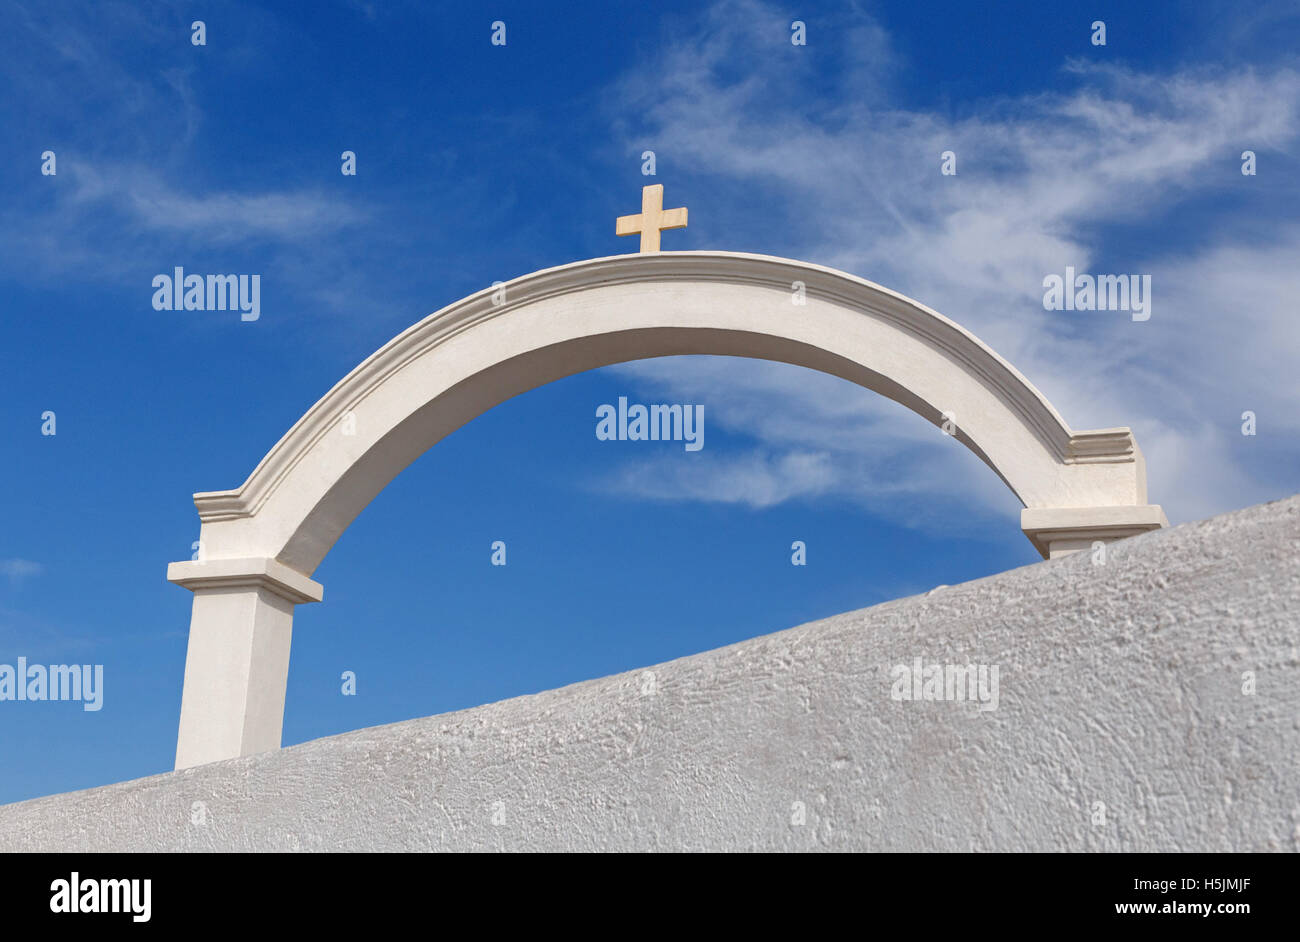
263	540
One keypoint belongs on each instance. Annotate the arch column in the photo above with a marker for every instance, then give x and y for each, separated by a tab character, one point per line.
237	662
1060	531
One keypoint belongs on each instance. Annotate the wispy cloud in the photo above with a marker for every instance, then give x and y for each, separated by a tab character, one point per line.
134	181
755	480
1128	172
221	216
18	571
815	437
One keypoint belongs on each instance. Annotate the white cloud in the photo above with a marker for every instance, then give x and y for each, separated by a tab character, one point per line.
130	184
819	437
1044	181
221	216
754	479
19	570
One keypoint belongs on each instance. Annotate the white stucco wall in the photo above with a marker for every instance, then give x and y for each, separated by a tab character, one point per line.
1119	683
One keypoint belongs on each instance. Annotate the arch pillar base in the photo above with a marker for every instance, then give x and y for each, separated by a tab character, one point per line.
1060	531
237	662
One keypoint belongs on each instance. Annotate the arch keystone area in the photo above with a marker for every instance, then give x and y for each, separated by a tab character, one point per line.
262	541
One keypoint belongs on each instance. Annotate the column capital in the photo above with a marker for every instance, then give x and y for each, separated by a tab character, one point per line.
257	572
1058	531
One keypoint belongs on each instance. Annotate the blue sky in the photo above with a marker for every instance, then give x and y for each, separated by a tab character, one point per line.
479	163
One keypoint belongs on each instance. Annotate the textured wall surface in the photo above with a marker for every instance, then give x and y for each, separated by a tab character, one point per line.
1119	683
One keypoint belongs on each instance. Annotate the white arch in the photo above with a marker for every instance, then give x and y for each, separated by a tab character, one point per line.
263	540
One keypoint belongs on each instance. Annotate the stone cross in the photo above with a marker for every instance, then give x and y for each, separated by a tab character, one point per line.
652	218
